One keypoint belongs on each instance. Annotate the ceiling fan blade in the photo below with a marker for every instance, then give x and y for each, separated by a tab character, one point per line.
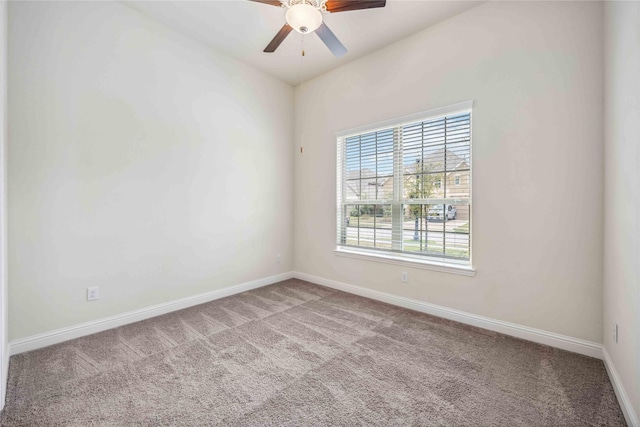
282	34
334	6
271	2
330	39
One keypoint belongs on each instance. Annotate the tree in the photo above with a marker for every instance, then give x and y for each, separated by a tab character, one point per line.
420	184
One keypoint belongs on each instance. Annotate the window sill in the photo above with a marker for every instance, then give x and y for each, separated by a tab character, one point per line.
403	261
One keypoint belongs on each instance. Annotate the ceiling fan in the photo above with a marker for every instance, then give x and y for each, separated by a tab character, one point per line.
305	16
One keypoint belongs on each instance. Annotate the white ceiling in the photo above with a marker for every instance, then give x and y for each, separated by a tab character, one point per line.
242	29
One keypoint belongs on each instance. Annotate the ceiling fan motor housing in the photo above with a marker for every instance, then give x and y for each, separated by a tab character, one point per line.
318	4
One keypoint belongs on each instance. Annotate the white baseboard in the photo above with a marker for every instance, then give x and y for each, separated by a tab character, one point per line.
563	342
625	403
531	334
5	374
65	334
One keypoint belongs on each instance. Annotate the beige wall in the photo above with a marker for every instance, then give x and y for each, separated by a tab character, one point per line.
622	197
4	333
140	161
534	71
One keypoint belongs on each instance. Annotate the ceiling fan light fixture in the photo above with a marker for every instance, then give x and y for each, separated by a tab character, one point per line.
304	18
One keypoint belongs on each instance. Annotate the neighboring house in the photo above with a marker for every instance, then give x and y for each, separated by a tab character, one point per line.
450	182
449	176
363	186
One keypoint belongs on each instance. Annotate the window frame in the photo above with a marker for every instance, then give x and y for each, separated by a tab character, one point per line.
392	256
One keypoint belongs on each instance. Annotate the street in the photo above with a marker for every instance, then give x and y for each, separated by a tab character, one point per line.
439	237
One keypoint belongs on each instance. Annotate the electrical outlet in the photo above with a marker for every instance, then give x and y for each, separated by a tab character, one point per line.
615	332
93	293
279	258
405	277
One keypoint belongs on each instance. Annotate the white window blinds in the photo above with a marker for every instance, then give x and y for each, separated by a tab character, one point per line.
405	188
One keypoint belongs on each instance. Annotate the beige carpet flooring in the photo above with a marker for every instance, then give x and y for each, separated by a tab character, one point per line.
296	354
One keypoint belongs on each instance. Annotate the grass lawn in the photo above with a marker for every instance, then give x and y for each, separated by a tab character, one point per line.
464	228
368	221
434	248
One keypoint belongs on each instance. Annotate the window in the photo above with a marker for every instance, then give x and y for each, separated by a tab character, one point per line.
404	188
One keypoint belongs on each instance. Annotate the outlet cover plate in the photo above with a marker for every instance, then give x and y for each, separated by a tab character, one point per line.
93	293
